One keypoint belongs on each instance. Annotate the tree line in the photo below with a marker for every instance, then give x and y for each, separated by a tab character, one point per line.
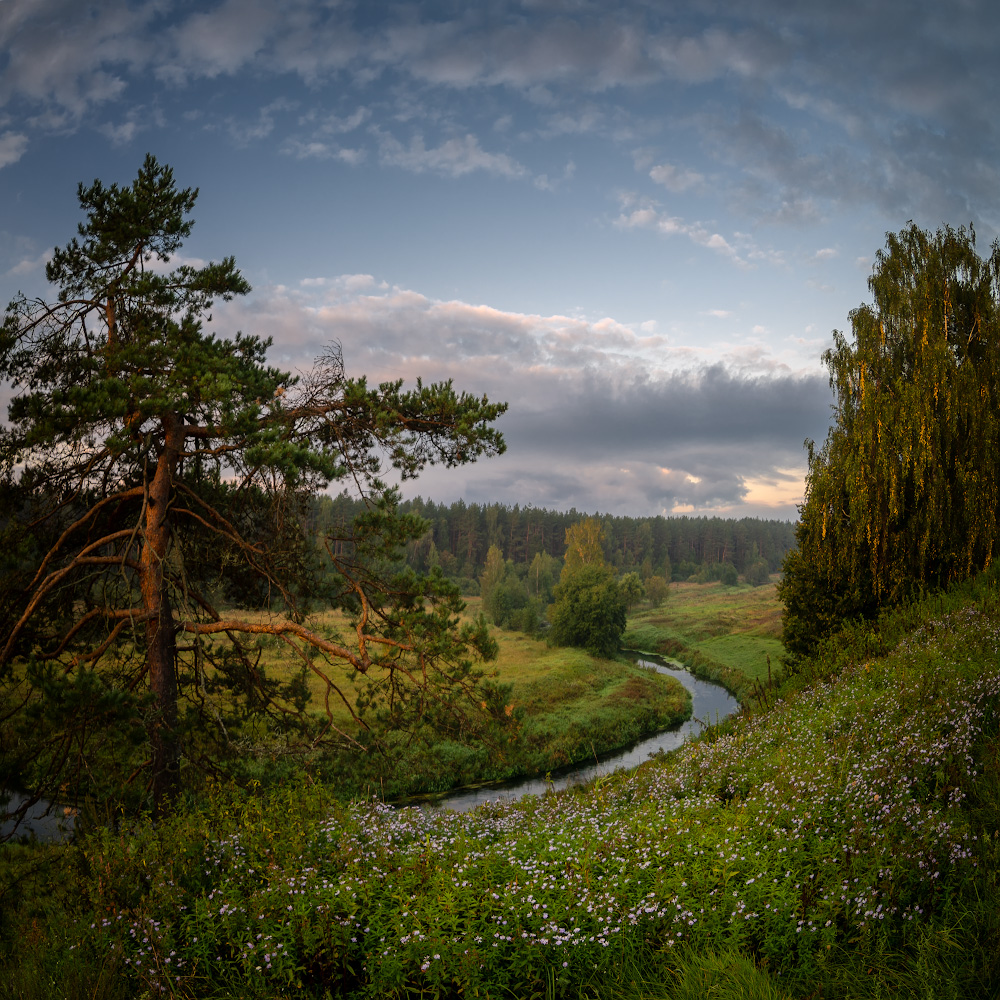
458	537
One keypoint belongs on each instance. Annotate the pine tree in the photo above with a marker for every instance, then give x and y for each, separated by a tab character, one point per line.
156	476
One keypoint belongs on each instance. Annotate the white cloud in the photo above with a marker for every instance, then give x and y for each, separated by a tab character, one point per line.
29	265
676	179
245	132
317	150
68	57
12	147
454	157
219	41
336	125
649	217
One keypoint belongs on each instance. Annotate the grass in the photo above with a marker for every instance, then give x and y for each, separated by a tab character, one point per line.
724	634
843	843
570	707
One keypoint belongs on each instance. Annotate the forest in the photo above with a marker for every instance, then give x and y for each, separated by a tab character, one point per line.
458	537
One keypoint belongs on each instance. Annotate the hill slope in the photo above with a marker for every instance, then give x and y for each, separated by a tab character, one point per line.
842	842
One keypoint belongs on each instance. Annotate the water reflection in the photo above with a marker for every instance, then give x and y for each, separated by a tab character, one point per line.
43	821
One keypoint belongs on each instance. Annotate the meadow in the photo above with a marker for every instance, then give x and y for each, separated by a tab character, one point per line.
841	841
569	707
729	635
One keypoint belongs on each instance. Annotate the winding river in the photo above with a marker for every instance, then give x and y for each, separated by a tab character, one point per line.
711	703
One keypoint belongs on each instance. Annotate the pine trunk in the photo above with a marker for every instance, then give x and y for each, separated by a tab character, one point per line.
161	646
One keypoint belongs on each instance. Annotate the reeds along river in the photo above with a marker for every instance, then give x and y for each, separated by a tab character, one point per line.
711	703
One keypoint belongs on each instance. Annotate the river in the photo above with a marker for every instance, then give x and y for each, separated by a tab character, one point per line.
711	703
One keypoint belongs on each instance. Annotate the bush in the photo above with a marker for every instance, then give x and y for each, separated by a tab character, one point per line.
589	611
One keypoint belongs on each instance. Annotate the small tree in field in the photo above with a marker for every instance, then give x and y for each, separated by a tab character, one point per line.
657	589
631	588
153	480
589	611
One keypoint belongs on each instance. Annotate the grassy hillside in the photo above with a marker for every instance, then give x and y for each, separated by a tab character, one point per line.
724	634
842	842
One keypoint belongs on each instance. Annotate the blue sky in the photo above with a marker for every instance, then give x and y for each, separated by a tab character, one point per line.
636	222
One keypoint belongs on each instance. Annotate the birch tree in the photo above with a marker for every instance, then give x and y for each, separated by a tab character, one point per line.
903	496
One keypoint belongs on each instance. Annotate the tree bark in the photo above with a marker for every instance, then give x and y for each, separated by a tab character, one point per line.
161	645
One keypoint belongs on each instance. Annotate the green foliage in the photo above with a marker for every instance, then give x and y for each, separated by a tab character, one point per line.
632	589
758	573
589	611
904	494
157	480
657	590
730	975
491	577
584	544
542	576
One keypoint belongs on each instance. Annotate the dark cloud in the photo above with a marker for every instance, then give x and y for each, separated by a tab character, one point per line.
704	440
691	439
699	407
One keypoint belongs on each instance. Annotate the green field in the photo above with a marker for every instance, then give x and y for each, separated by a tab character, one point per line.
726	634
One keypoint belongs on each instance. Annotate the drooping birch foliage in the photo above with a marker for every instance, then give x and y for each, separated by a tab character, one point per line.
903	496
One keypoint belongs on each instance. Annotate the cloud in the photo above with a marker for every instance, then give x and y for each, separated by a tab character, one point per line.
811	108
12	147
648	216
454	157
719	51
602	416
676	179
30	265
244	132
220	41
69	55
595	52
316	150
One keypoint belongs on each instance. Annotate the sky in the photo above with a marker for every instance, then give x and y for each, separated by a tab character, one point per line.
636	222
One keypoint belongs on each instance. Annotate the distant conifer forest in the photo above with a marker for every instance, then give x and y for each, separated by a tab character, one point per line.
459	536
